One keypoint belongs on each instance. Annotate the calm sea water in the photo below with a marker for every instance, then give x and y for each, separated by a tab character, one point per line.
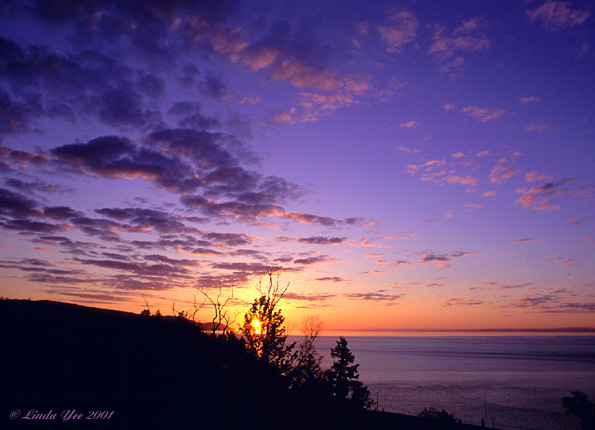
510	381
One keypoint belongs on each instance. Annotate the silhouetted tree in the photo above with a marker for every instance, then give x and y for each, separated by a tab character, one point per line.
305	361
264	328
436	415
583	408
343	377
222	320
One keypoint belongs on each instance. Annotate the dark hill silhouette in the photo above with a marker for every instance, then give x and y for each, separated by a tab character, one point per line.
154	373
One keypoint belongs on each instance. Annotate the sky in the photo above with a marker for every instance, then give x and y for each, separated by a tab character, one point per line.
403	165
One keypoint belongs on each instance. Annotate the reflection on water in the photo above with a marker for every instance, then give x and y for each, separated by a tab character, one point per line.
510	380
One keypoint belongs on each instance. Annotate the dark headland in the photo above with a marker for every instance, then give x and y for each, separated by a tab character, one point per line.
153	373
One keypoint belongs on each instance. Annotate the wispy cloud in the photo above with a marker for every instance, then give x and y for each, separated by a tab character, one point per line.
539	127
525	240
546	196
457	301
536	176
468	37
483	114
557	15
502	171
377	296
528	99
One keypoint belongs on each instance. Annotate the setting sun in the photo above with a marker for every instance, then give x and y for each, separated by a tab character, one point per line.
257	326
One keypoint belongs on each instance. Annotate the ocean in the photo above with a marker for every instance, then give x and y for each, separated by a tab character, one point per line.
511	382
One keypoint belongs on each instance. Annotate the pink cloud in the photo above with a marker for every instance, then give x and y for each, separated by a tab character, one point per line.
502	171
260	58
301	75
410	124
483	114
539	127
401	30
468	37
556	15
545	197
529	99
407	150
536	176
466	180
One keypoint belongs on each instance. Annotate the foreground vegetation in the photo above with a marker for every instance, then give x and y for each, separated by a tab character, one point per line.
165	372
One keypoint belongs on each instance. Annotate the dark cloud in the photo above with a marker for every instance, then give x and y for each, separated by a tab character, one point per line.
171	261
463	302
61	213
33	186
16	205
251	268
191	116
380	295
318	259
214	86
27	226
150	85
438	258
319	240
120	157
334	279
229	239
308	297
51	84
159	221
140	269
316	240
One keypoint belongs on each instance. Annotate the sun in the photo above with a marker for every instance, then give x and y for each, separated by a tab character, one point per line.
256	326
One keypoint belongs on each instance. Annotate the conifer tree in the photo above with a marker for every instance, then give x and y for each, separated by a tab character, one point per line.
343	377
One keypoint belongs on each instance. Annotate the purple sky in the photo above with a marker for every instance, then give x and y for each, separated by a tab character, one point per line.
404	166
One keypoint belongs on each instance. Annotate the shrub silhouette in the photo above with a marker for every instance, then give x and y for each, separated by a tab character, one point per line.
583	408
436	415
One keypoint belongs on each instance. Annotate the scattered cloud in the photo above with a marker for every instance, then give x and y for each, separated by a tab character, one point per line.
447	48
463	302
407	150
539	127
502	171
566	261
536	176
400	31
526	240
557	15
528	99
483	114
546	196
410	124
377	296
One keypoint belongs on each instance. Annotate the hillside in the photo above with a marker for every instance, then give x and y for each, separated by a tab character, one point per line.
154	373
